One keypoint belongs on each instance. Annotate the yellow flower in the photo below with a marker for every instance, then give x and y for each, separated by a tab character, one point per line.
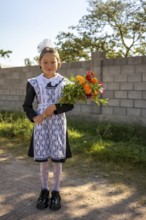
80	79
87	88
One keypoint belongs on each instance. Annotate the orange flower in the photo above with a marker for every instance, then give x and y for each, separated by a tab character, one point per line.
87	88
94	80
80	79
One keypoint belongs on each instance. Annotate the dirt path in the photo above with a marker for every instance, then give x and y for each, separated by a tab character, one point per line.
89	198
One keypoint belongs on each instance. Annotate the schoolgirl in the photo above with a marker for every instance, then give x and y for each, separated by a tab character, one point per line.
50	137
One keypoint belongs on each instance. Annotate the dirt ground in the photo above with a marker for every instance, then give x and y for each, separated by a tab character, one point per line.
87	197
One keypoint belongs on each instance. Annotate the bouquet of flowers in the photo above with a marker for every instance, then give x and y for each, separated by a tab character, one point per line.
82	88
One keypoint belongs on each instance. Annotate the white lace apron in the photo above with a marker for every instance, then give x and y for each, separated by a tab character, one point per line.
50	135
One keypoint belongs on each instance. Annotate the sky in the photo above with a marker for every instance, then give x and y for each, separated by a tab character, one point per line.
24	24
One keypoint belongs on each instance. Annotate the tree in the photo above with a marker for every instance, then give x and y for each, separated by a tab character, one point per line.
116	27
29	62
72	48
5	53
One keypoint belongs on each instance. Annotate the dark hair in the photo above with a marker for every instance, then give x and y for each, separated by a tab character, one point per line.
52	51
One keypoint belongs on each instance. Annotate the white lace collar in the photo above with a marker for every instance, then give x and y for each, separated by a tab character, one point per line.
53	81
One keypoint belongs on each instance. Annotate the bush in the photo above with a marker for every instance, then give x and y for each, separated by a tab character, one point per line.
15	124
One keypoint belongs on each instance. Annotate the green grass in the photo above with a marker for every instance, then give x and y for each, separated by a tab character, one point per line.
120	143
15	125
112	150
94	140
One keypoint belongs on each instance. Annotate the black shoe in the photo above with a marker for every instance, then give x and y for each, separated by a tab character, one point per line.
43	200
55	201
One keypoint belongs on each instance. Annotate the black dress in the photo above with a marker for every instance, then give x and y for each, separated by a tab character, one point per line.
31	94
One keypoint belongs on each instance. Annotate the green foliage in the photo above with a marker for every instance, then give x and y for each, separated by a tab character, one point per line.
93	140
122	132
5	53
72	93
116	27
10	116
27	62
71	49
22	129
103	141
15	125
31	62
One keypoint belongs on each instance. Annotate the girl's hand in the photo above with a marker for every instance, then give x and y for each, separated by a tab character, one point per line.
38	119
49	111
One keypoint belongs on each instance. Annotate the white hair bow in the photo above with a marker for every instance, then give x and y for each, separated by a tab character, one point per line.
45	43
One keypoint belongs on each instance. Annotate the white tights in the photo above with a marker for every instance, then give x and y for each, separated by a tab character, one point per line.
44	173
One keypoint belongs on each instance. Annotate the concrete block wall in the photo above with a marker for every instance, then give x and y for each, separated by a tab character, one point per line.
124	81
13	86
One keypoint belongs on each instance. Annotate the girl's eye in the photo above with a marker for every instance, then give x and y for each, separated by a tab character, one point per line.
48	63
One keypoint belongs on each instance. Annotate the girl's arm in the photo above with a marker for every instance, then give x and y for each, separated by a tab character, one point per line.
61	108
28	102
57	109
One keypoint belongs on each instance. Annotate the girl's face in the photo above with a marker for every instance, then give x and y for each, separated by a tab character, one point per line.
49	65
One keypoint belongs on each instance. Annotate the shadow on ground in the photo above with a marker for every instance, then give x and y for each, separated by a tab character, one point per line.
89	194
